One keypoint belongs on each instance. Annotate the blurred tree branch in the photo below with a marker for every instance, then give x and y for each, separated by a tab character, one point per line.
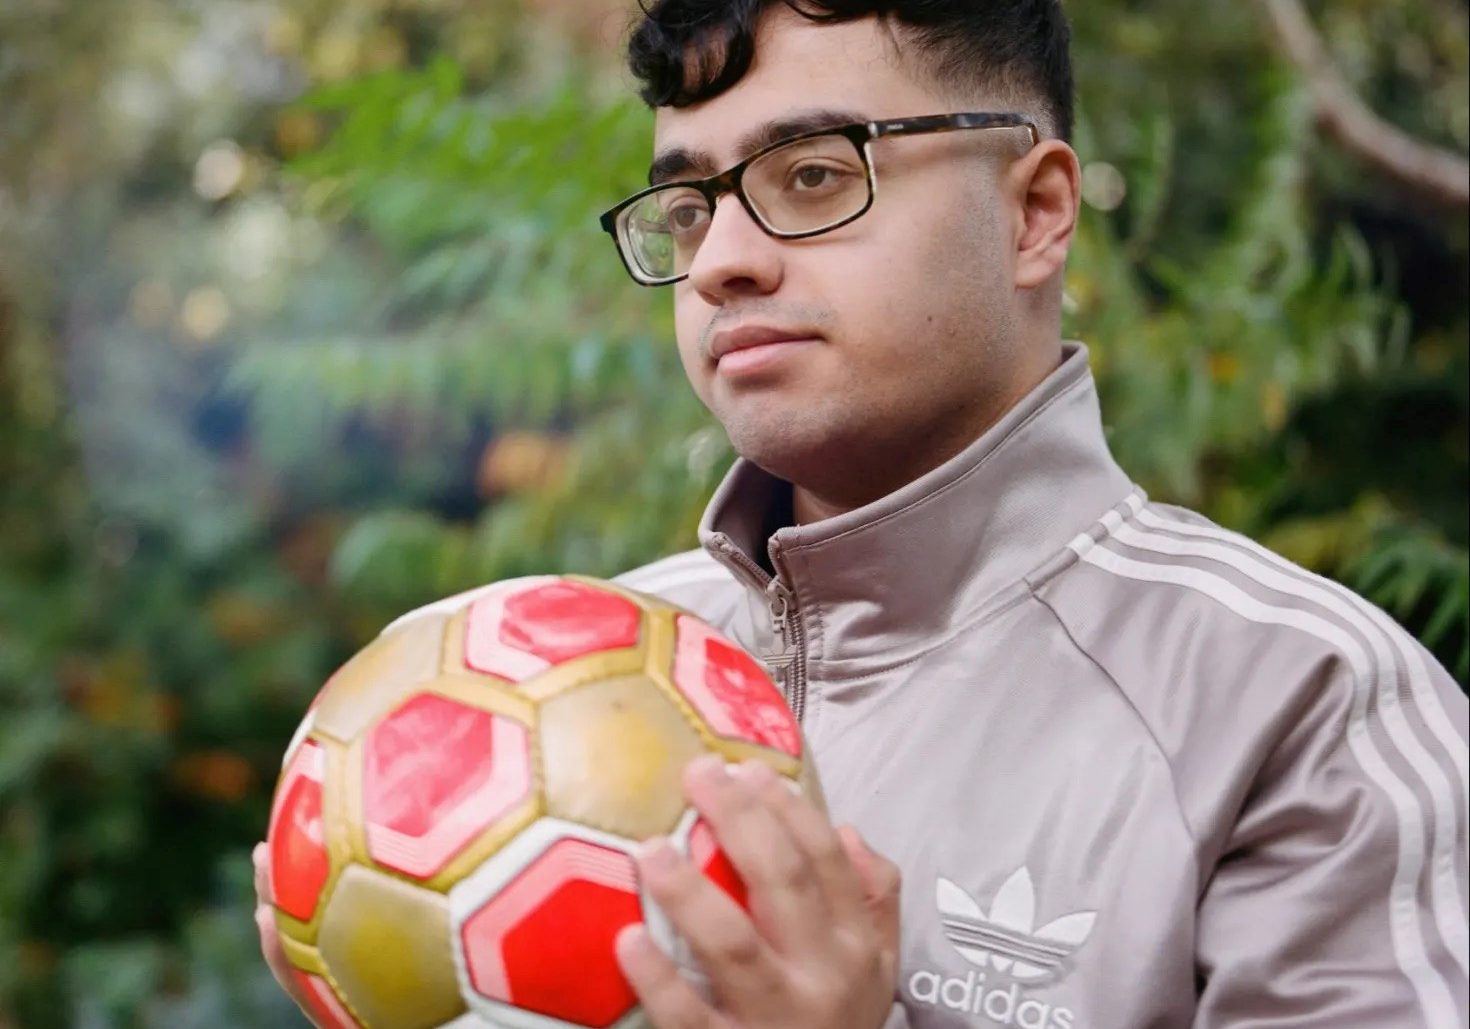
1431	171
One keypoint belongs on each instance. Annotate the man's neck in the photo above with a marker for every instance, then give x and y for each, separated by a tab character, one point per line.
809	504
807	507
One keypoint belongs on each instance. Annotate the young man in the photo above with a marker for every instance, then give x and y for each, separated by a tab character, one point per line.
1135	770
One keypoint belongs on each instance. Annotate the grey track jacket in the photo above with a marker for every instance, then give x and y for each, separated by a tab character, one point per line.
1137	770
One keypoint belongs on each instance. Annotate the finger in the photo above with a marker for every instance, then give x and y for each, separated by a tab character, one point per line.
786	899
261	856
265	921
814	834
882	886
286	977
739	964
275	955
668	999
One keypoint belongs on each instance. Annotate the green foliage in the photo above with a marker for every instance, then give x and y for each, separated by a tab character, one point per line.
508	311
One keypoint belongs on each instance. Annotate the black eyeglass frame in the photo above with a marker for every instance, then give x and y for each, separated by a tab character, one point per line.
860	134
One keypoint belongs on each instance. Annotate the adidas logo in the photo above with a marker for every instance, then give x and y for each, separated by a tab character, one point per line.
1007	1007
1005	938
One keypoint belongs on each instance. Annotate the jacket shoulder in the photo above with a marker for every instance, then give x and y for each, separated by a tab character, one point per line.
1226	649
1162	588
692	580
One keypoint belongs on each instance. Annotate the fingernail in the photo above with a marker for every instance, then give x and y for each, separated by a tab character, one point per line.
632	942
757	773
657	854
708	766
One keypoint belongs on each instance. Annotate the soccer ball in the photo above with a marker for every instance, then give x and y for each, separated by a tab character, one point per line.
452	835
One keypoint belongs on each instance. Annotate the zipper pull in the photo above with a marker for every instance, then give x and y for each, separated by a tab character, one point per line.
779	599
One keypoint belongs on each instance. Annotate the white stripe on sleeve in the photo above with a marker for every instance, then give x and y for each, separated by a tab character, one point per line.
1406	934
1449	909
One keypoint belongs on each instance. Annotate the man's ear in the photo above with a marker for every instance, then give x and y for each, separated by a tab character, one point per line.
1047	186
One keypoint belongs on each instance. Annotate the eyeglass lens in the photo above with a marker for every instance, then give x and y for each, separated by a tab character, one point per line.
802	187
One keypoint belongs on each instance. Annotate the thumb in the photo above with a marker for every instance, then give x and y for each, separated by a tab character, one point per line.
881	880
270	937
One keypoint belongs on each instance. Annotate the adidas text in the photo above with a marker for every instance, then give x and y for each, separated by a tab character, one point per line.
1001	1006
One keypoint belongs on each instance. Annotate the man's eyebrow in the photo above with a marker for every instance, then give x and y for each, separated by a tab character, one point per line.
682	163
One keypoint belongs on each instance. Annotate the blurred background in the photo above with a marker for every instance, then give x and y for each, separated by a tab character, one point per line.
305	319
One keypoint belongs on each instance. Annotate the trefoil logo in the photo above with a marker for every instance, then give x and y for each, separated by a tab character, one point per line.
1005	940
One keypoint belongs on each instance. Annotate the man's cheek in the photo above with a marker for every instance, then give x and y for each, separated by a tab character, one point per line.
700	375
689	354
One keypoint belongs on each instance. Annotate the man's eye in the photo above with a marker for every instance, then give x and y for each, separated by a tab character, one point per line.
685	217
814	176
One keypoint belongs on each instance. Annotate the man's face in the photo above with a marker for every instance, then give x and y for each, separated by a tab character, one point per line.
903	318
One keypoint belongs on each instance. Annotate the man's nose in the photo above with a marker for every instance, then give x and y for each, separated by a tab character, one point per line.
736	256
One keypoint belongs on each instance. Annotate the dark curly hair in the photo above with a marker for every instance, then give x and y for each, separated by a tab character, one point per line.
1018	46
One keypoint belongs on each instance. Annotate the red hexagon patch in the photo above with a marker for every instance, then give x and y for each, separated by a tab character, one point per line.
325	1009
299	861
544	942
730	689
437	773
515	634
706	855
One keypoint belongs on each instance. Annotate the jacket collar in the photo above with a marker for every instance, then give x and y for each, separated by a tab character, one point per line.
878	585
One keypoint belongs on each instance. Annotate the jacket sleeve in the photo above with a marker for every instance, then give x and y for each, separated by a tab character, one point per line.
1338	899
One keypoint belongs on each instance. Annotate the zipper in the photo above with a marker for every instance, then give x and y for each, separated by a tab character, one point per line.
791	638
788	661
778	601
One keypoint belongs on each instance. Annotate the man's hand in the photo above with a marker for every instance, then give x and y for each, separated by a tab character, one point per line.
819	949
265	921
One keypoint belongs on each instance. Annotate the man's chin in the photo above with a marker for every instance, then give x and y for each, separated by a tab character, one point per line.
791	451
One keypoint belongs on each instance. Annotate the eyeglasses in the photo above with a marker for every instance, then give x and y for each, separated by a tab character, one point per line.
795	188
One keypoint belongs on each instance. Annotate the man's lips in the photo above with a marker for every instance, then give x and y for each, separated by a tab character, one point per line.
728	341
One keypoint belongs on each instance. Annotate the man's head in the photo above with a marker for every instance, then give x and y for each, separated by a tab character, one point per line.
926	317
